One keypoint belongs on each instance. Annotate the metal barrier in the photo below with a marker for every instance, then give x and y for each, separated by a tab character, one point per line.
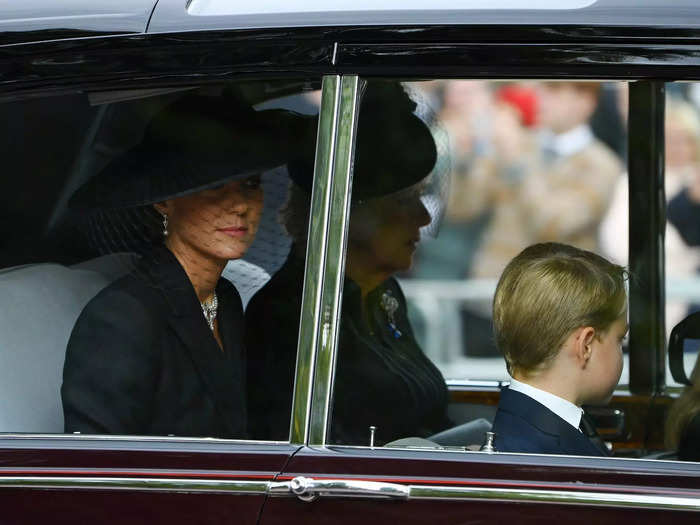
438	303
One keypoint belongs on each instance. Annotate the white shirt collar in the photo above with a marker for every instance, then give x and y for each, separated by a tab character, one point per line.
568	143
560	406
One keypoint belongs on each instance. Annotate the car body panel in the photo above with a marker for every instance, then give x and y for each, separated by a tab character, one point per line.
48	20
118	479
471	487
74	479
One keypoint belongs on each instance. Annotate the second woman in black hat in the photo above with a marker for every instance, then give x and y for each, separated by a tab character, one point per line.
382	377
160	351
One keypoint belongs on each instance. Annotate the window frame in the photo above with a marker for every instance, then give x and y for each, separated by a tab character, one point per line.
542	52
45	80
646	200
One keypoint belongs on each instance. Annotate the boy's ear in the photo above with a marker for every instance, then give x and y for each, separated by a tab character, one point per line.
583	345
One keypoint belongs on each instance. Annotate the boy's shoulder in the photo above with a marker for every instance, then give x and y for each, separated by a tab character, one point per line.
522	424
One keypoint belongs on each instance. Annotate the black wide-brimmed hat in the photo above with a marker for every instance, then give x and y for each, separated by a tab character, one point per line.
193	144
394	147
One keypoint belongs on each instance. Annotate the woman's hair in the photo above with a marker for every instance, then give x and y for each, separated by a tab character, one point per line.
683	410
548	291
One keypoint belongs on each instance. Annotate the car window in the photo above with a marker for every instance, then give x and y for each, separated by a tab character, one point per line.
470	173
524	169
137	228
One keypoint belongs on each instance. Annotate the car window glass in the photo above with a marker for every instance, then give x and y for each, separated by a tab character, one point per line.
119	212
435	219
682	153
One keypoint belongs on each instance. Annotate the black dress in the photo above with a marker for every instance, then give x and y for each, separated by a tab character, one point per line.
142	360
382	377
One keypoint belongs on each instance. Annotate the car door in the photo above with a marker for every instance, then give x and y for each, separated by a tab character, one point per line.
59	133
132	480
415	481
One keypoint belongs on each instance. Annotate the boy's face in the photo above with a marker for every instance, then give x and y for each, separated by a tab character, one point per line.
605	365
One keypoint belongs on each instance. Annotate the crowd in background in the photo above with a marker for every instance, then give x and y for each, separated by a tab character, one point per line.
546	161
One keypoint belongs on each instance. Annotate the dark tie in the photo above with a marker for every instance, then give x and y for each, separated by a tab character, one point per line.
588	429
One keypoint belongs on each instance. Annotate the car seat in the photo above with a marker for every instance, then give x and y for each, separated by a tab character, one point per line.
39	306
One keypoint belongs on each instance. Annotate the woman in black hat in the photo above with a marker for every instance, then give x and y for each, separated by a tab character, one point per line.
382	377
160	351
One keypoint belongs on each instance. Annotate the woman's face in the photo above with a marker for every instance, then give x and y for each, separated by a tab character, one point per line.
218	223
385	232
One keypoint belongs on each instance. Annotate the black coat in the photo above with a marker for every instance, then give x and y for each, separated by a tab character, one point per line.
525	425
142	360
381	379
684	214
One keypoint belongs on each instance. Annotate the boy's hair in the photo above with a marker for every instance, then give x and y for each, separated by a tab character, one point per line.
548	291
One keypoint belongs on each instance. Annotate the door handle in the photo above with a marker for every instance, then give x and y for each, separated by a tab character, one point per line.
308	489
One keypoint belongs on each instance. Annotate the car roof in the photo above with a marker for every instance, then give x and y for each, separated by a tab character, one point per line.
178	15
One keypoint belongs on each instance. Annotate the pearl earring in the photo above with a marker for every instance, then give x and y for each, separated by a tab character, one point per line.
165	225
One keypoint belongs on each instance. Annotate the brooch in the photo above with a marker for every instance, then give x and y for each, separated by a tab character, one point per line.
390	304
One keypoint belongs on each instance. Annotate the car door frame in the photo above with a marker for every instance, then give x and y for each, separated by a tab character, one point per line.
67	476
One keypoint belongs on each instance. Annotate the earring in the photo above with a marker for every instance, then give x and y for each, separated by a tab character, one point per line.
165	225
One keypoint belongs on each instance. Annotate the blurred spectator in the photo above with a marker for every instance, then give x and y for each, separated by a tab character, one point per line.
683	150
465	116
526	168
565	192
608	122
554	186
681	182
491	189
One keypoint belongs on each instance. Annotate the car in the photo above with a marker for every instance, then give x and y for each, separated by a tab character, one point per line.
79	83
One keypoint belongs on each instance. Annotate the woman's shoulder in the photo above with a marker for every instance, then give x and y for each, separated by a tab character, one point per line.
282	291
128	296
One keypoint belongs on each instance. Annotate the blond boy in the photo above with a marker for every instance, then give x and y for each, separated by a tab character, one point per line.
560	314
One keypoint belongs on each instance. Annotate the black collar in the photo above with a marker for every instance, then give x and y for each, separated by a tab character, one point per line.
161	269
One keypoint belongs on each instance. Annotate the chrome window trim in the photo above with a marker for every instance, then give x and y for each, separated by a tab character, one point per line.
512	457
475	384
135	438
316	245
334	270
415	492
141	443
617	499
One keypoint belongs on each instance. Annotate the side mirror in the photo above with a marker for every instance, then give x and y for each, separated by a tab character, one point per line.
688	328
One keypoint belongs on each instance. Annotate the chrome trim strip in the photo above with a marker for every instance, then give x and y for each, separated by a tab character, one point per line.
641	501
353	488
475	384
315	259
136	439
119	483
334	270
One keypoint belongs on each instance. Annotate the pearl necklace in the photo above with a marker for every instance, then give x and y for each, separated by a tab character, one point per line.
209	309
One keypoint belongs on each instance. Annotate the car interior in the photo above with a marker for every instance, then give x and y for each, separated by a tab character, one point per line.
53	260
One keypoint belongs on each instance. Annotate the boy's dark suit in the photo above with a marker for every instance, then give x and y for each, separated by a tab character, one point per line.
525	425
